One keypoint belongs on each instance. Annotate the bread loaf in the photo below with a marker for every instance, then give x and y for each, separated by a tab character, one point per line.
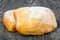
30	20
35	20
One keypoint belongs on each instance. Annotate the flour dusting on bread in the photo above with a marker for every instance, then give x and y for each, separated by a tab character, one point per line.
10	15
43	13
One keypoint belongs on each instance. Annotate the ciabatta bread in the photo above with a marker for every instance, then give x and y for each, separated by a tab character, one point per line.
34	20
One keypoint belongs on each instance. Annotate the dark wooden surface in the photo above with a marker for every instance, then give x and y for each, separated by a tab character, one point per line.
13	4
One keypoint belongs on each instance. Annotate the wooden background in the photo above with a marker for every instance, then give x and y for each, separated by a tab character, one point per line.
13	4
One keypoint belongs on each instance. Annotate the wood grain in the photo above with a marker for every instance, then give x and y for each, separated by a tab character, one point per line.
13	4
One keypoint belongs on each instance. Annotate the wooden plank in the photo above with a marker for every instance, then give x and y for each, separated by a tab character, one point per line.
13	4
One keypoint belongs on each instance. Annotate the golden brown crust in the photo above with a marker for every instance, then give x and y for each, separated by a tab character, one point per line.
9	22
31	26
9	25
35	31
30	20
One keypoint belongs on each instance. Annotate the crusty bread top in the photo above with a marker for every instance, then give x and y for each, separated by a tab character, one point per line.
45	14
10	15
